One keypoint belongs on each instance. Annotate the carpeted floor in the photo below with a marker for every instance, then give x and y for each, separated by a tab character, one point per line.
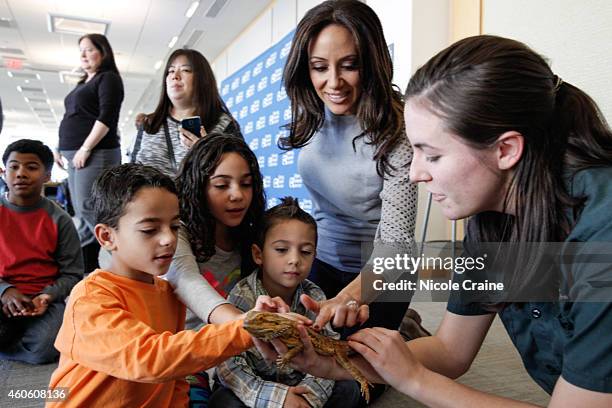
17	376
497	369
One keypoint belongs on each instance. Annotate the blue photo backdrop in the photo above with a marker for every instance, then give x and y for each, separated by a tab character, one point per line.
255	96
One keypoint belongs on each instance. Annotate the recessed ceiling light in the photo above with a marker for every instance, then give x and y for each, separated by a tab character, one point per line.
6	22
37	102
68	77
195	36
30	99
6	50
173	41
192	9
32	91
23	75
158	64
215	8
76	25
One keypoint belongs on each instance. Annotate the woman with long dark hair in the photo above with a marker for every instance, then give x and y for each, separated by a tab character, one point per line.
347	118
88	135
188	89
500	138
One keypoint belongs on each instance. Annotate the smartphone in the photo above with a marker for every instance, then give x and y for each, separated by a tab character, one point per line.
192	124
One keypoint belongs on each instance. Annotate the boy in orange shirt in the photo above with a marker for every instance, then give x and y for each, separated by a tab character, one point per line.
121	342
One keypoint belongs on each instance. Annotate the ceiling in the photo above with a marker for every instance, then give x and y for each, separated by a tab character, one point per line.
139	32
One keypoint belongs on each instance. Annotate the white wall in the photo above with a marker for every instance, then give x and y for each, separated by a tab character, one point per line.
259	32
283	18
418	29
430	29
429	34
273	24
576	37
396	19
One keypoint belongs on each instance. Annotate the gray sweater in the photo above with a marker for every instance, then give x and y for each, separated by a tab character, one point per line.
353	205
154	150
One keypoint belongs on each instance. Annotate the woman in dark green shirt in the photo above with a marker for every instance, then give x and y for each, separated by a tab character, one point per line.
498	137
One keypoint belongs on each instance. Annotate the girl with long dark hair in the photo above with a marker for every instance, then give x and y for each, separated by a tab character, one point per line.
222	202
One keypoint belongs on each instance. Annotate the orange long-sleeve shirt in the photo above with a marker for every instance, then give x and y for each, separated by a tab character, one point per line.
121	345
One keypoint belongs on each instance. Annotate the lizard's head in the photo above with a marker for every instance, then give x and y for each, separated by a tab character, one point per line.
265	325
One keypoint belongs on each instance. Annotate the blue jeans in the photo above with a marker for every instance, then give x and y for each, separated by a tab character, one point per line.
33	337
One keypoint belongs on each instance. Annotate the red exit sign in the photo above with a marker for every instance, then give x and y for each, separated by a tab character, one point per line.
13	63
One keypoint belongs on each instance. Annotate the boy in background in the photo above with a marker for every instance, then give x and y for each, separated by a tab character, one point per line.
122	343
284	251
40	257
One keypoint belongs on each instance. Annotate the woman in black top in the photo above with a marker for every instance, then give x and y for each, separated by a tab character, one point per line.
88	135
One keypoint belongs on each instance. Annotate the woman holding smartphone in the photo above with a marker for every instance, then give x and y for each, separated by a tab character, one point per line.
189	89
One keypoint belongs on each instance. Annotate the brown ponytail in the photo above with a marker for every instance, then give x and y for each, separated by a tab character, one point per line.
484	86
